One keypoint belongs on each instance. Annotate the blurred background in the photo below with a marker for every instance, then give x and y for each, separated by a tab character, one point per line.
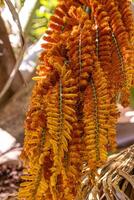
23	23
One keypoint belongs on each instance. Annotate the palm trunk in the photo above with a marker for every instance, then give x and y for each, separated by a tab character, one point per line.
7	62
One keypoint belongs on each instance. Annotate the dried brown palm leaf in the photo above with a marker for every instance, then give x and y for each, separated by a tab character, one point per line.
116	179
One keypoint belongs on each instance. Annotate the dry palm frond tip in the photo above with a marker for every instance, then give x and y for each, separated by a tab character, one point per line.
86	66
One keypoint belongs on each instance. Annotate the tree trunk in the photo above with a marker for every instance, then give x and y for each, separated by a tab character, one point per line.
7	62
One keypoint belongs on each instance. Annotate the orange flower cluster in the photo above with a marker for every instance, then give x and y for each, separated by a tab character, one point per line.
86	67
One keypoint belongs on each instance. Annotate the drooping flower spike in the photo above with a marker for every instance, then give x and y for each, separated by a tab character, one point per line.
86	65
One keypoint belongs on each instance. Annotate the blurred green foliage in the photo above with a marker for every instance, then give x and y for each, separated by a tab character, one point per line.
22	2
41	18
1	3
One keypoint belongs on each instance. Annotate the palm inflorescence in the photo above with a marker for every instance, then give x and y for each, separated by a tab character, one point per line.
86	66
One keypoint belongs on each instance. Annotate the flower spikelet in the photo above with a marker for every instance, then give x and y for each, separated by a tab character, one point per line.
96	113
